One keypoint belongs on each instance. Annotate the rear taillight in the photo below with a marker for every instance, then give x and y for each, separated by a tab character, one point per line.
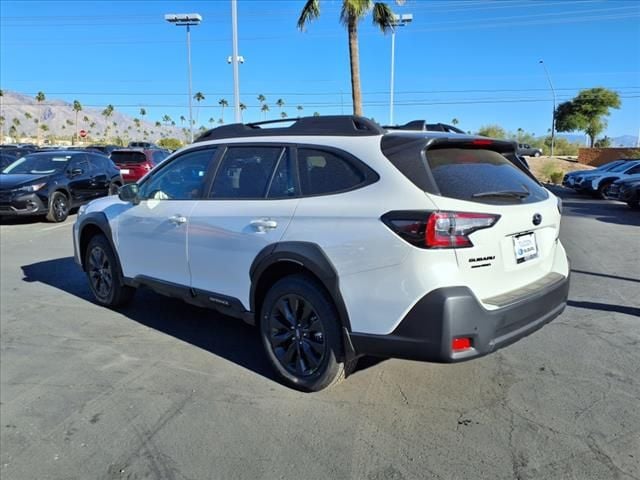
438	229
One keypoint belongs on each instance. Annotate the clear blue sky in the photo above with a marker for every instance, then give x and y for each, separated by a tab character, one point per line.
475	60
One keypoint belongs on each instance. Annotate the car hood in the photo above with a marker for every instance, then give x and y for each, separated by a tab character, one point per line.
14	180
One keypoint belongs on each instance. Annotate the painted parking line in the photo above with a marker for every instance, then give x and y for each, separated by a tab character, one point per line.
56	226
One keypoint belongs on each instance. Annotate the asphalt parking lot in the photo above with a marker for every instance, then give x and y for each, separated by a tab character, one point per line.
164	390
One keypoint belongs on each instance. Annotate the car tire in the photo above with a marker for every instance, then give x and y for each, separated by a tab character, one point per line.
58	207
103	273
537	154
113	188
601	193
301	334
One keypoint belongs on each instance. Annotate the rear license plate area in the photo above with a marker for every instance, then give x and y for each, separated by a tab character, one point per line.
525	247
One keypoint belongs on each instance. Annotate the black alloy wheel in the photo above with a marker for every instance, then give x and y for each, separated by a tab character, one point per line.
297	335
302	334
58	208
104	275
100	272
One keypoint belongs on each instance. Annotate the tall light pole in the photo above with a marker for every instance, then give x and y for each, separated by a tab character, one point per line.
234	61
186	20
553	116
398	21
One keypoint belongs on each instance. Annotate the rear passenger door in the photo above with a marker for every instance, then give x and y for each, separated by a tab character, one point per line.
79	174
99	185
250	205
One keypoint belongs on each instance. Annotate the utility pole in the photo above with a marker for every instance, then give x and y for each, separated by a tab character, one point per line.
234	62
553	116
398	21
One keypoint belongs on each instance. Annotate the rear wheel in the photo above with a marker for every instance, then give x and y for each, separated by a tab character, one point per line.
301	334
58	207
537	154
104	274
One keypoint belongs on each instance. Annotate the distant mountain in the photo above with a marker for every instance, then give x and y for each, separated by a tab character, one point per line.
22	111
624	141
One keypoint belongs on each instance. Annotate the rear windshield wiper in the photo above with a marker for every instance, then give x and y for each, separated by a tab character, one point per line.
505	193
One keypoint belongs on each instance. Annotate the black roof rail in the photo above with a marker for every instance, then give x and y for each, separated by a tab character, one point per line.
338	125
422	125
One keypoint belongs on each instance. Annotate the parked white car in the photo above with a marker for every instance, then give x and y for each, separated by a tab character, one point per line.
597	184
338	239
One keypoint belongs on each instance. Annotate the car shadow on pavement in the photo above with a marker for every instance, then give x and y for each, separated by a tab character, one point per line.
221	335
606	307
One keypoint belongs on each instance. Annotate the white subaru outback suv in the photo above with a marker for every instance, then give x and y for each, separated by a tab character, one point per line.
339	239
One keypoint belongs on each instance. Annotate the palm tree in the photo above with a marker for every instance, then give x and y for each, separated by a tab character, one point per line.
143	112
106	113
280	104
243	107
77	107
283	115
182	119
158	124
299	108
166	119
455	122
220	121
262	98
198	97
264	109
316	114
223	103
520	132
352	12
212	120
40	98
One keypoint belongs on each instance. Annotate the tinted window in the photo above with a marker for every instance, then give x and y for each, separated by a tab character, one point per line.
635	169
40	163
470	174
99	163
128	157
82	163
245	172
157	156
283	184
324	172
182	179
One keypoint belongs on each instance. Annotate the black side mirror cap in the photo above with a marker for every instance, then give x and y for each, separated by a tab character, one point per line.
129	193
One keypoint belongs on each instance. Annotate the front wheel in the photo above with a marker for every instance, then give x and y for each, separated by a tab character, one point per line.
103	273
537	154
58	207
301	334
602	190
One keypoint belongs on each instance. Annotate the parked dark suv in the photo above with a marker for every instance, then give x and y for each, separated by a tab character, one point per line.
52	183
135	163
528	150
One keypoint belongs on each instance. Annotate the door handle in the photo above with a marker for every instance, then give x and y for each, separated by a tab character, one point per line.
178	219
264	224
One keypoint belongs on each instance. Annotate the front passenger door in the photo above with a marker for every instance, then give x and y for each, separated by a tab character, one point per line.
152	236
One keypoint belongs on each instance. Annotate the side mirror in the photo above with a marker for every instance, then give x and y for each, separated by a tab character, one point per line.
129	193
74	172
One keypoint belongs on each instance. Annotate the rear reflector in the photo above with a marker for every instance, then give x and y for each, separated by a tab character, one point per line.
482	142
459	344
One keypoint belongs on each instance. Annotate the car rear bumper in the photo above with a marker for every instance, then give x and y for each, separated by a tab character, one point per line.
427	331
22	205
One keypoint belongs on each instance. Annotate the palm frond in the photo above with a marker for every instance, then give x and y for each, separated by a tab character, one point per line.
310	11
383	16
354	9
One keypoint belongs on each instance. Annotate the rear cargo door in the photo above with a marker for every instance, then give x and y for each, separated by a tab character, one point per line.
519	249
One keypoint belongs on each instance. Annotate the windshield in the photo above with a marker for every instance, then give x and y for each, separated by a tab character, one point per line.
620	168
40	164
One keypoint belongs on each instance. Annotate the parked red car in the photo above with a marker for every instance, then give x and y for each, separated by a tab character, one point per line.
134	163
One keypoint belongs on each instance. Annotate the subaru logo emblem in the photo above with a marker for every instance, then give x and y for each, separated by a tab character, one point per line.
537	219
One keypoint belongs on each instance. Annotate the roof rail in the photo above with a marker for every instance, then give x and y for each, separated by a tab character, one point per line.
422	125
338	125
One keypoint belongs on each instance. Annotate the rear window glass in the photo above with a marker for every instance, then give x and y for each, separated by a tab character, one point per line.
128	157
323	172
481	176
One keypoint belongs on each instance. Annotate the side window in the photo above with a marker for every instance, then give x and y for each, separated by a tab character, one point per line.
634	170
97	163
158	156
80	161
283	183
245	172
324	172
182	179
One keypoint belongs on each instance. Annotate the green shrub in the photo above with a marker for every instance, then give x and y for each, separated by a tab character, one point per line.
556	177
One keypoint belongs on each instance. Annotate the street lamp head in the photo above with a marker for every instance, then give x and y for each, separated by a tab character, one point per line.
182	19
402	20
